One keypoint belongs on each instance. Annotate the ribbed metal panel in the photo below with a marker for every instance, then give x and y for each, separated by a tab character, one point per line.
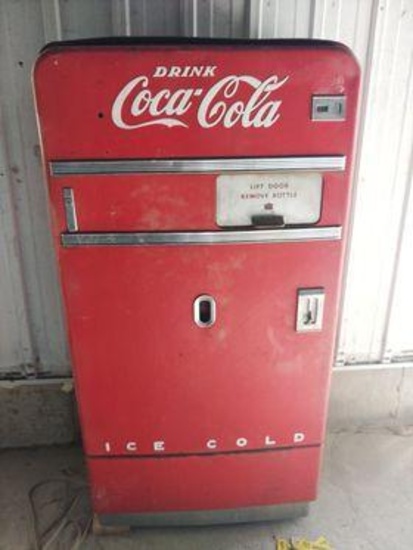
21	37
376	317
384	177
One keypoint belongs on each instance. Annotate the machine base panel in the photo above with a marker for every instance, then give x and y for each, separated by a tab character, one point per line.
207	517
196	490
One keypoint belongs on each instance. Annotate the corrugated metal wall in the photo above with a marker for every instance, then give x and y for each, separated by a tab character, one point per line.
376	325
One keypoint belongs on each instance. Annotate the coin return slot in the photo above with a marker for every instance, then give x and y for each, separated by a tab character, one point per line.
310	309
204	311
328	108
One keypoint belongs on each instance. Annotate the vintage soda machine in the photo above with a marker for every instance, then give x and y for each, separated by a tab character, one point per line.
199	195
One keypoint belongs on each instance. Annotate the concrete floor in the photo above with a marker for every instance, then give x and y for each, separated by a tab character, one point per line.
365	502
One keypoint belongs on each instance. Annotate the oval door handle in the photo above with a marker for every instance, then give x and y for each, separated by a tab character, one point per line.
204	311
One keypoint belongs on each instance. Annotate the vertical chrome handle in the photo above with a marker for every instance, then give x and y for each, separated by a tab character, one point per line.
205	311
70	209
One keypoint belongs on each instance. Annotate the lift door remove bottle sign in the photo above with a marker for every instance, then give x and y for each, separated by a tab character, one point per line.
199	195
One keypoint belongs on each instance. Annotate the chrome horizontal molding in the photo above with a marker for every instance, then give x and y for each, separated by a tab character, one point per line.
138	166
208	517
331	233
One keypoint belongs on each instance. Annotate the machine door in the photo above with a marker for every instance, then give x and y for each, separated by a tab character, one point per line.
197	348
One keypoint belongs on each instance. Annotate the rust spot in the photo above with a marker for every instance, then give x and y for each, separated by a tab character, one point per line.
14	169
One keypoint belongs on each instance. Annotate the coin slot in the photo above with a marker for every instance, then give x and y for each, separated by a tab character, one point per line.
204	311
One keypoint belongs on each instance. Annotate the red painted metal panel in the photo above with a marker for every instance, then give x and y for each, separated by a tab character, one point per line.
149	373
128	486
78	87
164	202
149	381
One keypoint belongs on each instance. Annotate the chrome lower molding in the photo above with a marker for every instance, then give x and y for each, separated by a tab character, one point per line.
139	166
332	233
208	517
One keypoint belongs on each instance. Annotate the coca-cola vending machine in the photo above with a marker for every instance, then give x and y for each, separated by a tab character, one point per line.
199	195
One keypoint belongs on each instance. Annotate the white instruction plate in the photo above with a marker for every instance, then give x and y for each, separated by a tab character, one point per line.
295	197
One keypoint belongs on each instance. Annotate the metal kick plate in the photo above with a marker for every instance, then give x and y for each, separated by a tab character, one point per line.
292	196
310	309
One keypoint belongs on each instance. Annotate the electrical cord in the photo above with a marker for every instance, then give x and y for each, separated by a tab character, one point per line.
61	524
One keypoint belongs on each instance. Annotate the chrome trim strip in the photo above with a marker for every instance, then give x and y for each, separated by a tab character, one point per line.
70	209
208	517
330	233
77	167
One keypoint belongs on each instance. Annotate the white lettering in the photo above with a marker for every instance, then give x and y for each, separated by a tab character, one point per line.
179	103
187	71
160	71
298	437
174	71
226	103
144	101
157	108
269	441
209	71
197	71
159	446
213	111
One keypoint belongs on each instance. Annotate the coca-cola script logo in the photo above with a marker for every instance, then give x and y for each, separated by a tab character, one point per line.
235	99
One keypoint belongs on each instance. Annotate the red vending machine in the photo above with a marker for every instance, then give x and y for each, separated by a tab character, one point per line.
199	195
